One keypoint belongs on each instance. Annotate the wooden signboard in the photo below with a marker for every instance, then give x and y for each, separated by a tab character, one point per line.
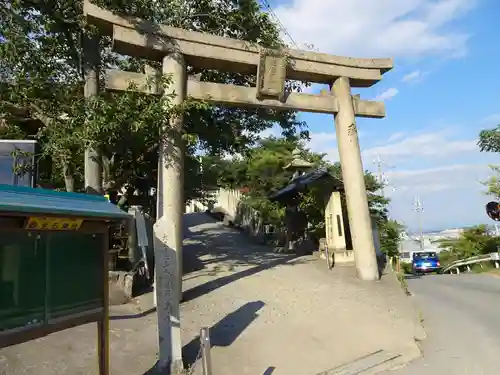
53	264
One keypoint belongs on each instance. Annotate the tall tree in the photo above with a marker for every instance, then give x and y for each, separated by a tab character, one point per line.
489	141
390	231
472	241
41	89
493	182
260	172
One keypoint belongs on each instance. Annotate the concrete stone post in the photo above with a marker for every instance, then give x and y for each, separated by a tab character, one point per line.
354	183
334	223
168	227
92	165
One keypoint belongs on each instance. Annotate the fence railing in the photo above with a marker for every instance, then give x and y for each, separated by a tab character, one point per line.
478	259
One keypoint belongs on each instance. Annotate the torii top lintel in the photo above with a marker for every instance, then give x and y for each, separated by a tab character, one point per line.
136	37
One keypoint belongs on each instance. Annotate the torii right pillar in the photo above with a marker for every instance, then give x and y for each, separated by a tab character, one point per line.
354	182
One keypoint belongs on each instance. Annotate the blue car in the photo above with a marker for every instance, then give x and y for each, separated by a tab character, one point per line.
425	262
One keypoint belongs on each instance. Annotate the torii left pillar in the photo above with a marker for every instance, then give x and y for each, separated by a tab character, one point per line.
168	227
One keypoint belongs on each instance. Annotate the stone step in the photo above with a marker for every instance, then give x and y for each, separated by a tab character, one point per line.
369	364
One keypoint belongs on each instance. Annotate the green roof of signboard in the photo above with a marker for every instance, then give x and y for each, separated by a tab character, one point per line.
42	201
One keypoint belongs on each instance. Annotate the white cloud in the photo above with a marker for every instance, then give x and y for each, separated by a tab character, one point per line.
326	143
400	28
396	136
436	144
319	139
413	76
493	119
452	195
387	94
315	88
270	132
437	179
436	170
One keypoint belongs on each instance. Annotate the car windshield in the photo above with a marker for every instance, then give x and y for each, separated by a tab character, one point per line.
425	255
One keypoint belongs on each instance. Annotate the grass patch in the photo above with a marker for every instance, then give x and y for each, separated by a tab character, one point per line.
493	271
447	257
403	282
406	268
487	267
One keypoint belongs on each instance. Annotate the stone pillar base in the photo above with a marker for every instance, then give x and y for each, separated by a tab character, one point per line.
343	257
339	257
120	287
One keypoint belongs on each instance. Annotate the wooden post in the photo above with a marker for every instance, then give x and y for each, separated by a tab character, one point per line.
103	324
354	182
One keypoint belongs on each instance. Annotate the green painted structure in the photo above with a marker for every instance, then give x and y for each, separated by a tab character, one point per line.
52	276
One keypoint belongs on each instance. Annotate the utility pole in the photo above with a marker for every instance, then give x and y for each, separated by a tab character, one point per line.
418	207
381	176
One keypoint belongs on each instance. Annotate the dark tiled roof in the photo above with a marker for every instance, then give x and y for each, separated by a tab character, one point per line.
301	182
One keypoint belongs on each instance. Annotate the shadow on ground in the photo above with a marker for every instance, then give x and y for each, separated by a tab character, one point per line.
207	244
224	332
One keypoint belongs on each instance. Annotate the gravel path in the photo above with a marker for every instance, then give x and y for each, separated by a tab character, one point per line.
268	313
461	317
271	313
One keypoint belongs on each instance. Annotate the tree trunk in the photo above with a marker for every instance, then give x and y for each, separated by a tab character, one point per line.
108	182
69	177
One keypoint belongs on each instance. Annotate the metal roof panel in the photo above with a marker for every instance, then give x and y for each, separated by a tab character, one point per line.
43	201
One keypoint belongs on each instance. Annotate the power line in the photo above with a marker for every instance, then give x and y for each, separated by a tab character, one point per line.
266	4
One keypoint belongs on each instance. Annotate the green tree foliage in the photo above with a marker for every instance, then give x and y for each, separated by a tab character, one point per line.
489	141
492	184
472	241
390	231
42	78
260	172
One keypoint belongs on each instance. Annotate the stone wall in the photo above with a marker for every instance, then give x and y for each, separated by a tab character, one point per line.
228	206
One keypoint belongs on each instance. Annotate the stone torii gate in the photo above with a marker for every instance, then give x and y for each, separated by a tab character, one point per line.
176	48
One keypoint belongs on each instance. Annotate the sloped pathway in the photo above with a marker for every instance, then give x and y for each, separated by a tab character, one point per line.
268	313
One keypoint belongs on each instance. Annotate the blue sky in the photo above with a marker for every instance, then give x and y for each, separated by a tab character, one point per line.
444	89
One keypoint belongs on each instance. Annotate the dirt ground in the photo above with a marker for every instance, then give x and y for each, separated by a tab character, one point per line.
268	313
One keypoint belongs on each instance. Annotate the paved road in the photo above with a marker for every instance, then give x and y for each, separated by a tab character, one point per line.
462	319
